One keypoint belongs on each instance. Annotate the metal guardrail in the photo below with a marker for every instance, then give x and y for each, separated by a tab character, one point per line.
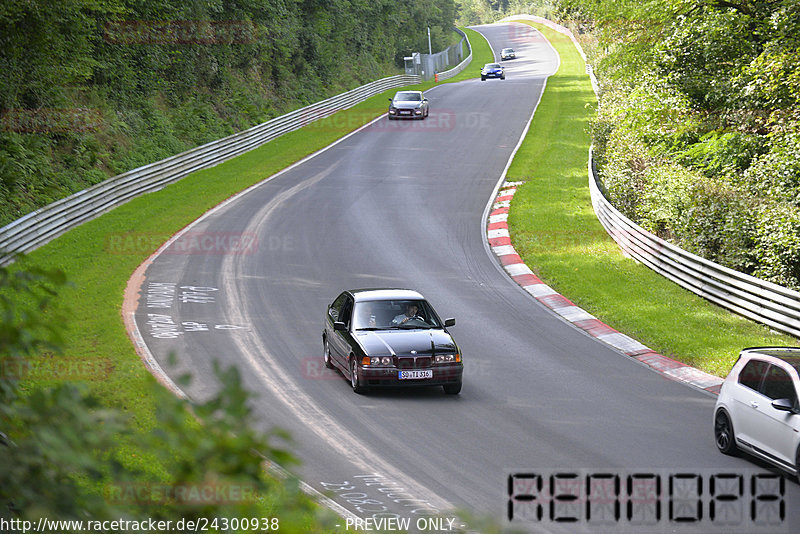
756	299
461	66
37	228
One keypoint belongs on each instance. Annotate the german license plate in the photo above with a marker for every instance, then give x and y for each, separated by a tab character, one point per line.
415	375
405	112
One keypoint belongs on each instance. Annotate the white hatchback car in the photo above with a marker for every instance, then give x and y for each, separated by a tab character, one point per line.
758	411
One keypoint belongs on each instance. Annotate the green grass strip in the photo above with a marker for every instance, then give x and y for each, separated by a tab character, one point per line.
554	229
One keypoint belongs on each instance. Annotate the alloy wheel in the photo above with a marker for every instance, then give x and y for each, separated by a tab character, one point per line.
327	354
723	433
354	377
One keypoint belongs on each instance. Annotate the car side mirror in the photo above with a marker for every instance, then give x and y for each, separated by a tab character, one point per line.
784	405
390	99
449	322
339	326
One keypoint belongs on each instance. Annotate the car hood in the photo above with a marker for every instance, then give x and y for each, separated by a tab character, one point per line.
402	342
406	104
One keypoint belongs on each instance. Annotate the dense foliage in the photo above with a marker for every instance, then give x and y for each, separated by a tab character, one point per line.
92	88
698	130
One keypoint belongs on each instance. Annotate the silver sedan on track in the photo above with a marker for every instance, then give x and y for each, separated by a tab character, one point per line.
408	105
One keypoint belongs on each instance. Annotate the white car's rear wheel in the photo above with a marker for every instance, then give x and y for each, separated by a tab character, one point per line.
723	433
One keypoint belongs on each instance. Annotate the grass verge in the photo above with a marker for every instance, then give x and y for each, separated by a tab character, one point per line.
554	229
99	256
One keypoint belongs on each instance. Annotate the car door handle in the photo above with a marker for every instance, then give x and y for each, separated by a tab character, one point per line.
753	404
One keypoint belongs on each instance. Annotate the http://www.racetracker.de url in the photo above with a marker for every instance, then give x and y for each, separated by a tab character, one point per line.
45	525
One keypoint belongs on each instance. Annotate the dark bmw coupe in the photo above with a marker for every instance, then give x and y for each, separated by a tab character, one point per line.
390	337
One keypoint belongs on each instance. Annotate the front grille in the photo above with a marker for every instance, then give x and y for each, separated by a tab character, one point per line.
413	362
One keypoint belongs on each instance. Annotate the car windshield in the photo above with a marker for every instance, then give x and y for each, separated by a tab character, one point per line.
507	50
408	96
394	314
492	66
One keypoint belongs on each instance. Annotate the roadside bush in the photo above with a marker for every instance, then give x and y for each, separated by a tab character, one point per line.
776	174
622	167
778	244
22	158
703	214
717	224
700	52
666	198
719	153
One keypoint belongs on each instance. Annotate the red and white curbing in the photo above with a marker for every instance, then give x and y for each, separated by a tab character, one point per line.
500	242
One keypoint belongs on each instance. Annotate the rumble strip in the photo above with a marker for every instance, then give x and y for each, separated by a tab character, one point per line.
500	243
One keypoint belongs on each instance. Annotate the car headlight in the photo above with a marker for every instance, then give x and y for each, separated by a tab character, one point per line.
447	358
380	360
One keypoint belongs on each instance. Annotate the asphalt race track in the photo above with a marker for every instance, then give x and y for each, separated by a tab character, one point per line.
401	204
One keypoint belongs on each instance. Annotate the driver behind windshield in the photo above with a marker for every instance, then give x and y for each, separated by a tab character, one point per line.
411	313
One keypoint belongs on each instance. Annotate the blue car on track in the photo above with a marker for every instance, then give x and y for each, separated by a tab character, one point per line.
492	70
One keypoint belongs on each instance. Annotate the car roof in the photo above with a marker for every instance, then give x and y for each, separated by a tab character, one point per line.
790	355
361	295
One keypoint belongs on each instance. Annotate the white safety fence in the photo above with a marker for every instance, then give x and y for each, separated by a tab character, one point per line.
461	66
759	300
47	223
